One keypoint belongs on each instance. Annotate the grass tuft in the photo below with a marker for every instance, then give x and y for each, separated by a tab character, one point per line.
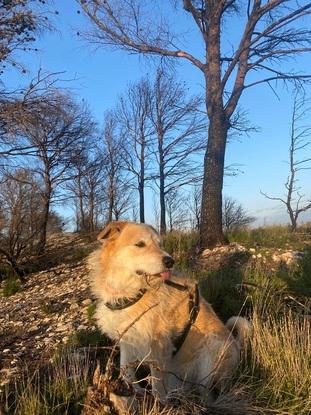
10	287
91	312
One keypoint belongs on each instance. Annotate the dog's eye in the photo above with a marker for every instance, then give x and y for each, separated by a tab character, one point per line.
140	244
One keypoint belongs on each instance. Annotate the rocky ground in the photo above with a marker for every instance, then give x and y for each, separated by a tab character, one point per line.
236	255
55	303
51	306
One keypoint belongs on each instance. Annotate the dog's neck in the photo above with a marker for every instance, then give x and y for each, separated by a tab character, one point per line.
115	292
125	287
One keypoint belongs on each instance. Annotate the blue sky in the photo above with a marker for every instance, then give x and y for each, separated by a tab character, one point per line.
99	76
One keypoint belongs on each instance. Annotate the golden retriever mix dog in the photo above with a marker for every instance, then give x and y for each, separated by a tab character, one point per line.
159	318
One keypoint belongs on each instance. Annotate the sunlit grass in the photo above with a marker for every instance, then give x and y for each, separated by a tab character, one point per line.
275	373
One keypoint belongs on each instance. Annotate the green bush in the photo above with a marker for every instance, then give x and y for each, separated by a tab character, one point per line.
85	338
10	287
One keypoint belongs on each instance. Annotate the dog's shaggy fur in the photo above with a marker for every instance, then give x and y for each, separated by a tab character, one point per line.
131	259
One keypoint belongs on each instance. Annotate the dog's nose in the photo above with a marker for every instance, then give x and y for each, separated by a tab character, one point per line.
168	261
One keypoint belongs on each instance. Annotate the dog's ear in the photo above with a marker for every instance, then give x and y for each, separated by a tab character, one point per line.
111	231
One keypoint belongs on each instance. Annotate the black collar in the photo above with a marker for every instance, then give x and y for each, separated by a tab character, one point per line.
124	302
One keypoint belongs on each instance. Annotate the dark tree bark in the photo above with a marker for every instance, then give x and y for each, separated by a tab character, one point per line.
211	232
46	202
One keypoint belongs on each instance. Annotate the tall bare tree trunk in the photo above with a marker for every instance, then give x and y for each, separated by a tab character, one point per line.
91	212
141	184
44	222
162	204
161	184
211	232
18	272
81	208
110	205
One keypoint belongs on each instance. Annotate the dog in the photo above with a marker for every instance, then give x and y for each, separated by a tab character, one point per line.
158	317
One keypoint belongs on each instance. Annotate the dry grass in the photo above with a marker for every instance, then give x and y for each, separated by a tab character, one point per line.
274	377
275	373
281	362
55	390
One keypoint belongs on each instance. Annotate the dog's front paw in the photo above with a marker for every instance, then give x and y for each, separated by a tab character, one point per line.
124	405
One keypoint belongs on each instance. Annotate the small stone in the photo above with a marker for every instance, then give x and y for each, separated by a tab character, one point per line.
252	250
33	328
82	327
5	351
61	328
87	302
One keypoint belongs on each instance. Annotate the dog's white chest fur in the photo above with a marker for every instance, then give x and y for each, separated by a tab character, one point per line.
138	328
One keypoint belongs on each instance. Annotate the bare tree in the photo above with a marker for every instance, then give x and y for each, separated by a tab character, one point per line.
234	215
20	23
117	185
134	117
94	191
19	225
16	109
269	35
87	187
50	133
76	187
176	209
156	211
300	133
194	206
179	128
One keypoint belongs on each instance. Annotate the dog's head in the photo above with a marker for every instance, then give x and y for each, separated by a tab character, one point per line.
136	249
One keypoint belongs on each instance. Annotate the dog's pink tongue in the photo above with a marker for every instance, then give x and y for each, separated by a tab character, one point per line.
165	275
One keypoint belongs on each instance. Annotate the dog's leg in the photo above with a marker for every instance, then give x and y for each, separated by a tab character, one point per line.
128	367
159	388
126	363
